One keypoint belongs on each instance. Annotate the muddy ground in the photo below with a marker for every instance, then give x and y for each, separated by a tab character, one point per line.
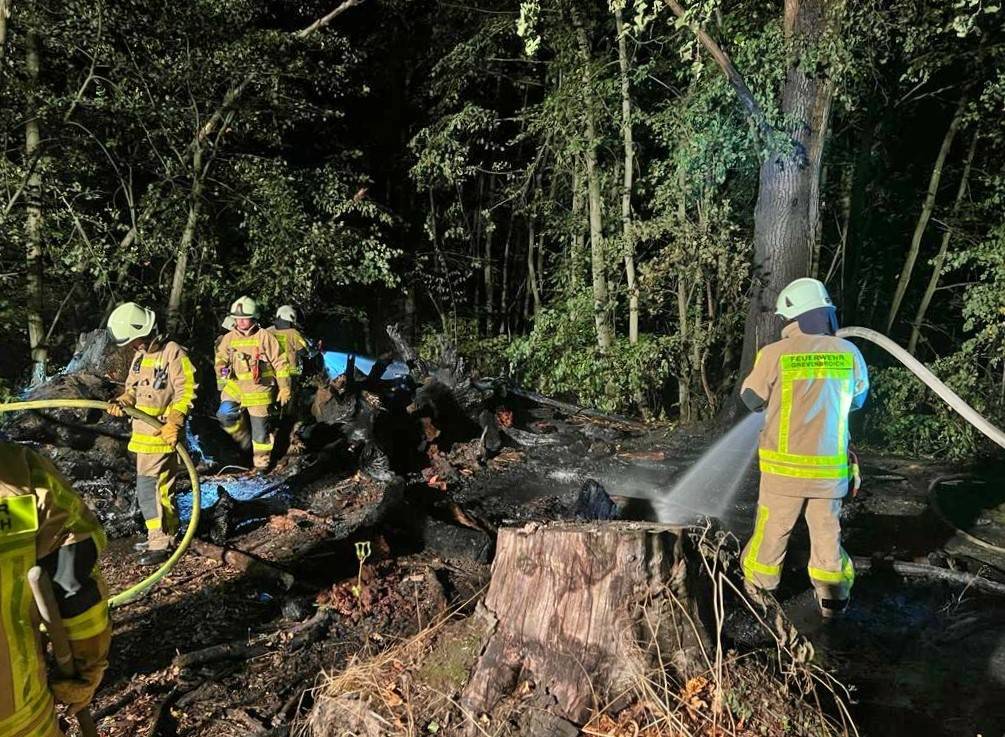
215	651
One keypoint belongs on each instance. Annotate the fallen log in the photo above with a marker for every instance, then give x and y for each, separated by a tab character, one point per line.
579	612
243	562
293	637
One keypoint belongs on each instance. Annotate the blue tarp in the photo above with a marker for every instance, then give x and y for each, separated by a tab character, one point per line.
336	362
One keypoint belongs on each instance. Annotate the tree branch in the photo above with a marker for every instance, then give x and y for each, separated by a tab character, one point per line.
721	58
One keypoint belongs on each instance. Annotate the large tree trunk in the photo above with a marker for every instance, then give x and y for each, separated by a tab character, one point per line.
783	216
598	257
626	186
33	215
926	213
940	258
574	609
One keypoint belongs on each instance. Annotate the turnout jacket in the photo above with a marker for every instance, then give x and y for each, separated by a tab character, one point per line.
291	342
807	385
161	380
248	366
40	517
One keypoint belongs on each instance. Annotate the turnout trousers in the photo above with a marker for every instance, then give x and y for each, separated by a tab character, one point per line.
236	416
830	569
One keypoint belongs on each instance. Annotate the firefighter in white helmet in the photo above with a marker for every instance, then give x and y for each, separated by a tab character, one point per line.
807	383
286	328
161	382
253	371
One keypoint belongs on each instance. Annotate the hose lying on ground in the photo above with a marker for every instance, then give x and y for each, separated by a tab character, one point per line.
135	591
933	500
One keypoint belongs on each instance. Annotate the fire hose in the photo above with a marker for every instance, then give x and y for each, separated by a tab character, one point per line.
124	597
947	395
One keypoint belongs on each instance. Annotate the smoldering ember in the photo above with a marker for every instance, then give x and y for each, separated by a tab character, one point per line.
379	368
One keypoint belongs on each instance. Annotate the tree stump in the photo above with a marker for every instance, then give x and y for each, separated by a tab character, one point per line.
580	611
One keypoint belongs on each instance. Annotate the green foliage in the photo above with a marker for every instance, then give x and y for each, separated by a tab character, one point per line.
560	357
904	417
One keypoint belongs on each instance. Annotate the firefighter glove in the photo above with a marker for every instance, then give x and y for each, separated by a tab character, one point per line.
90	658
116	406
172	427
283	397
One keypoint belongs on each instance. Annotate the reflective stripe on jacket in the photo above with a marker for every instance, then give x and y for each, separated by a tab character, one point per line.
809	384
39	513
162	379
291	342
241	356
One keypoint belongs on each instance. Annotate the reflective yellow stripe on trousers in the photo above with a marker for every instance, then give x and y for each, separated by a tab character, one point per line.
750	563
845	575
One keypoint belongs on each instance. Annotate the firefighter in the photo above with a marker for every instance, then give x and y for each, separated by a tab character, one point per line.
161	382
43	522
286	328
807	383
253	372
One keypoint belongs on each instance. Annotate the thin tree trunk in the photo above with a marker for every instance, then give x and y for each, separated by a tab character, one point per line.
33	216
859	218
531	266
578	241
185	245
684	373
490	295
626	188
504	289
4	16
926	213
940	258
601	300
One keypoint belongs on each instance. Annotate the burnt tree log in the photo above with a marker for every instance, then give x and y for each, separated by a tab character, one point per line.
580	613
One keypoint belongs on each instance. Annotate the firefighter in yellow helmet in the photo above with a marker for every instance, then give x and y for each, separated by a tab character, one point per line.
252	371
807	383
43	522
161	382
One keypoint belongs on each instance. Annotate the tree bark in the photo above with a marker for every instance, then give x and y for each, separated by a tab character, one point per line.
940	258
598	260
33	215
626	187
926	213
185	245
574	608
788	182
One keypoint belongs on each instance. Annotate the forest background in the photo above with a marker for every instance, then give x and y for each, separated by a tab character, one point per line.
598	199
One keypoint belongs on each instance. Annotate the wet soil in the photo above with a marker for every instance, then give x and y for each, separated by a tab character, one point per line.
921	658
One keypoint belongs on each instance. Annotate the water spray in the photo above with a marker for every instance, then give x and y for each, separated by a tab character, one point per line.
124	597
